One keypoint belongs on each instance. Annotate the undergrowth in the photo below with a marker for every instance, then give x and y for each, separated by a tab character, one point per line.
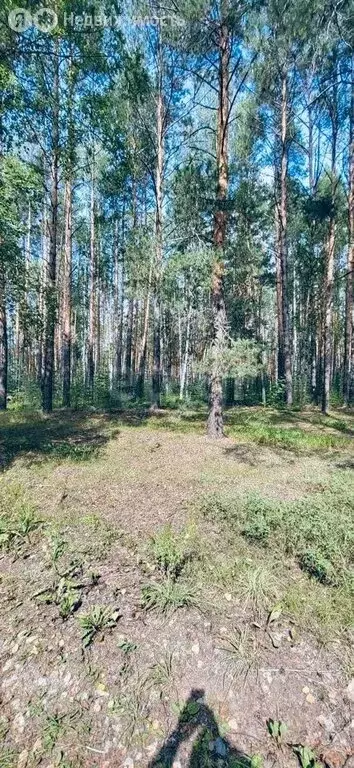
299	552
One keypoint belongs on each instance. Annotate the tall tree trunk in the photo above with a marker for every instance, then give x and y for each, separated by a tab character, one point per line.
328	314
284	348
92	287
330	253
129	343
26	338
160	135
184	366
118	307
349	303
215	417
66	299
141	361
50	290
3	340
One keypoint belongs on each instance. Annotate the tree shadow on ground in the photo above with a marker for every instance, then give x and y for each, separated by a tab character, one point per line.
209	750
36	438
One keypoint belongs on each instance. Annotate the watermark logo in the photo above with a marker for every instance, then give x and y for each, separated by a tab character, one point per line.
46	20
19	19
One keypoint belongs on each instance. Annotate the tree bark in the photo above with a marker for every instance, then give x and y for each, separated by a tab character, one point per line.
50	290
215	417
160	134
330	253
284	349
66	299
3	341
141	361
129	343
92	288
184	366
349	303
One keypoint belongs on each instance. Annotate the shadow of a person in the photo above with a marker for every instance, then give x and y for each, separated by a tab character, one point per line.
209	748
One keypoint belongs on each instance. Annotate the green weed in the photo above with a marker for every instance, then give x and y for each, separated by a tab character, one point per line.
99	619
242	651
126	646
65	594
132	705
277	730
16	529
167	596
170	551
161	673
307	757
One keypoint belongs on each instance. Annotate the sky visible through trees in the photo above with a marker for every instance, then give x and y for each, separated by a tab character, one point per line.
177	204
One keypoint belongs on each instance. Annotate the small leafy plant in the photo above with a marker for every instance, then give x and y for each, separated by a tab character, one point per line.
99	619
277	730
126	646
65	594
317	566
16	530
307	757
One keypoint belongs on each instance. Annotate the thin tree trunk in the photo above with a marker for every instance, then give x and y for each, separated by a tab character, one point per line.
329	276
184	366
284	353
66	301
328	315
50	291
26	340
118	307
92	287
3	341
129	343
349	304
141	362
215	417
156	373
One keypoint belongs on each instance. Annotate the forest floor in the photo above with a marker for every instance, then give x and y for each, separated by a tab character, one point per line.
171	600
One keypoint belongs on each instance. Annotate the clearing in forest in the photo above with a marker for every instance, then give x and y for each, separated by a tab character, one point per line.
172	600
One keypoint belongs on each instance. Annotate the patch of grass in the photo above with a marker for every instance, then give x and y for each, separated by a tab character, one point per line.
186	711
262	517
170	551
8	757
167	596
132	705
256	586
97	536
242	651
317	530
161	673
54	727
17	526
318	566
303	434
264	544
71	451
98	620
4	727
